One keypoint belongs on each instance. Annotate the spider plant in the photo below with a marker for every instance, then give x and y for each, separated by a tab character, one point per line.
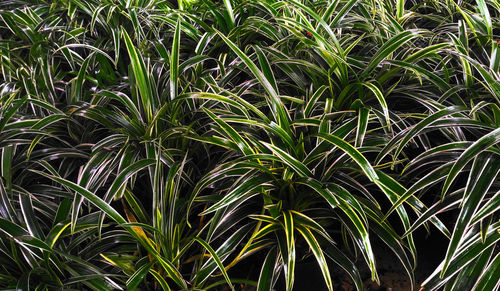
193	145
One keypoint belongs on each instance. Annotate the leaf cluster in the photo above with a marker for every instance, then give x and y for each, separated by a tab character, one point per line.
191	145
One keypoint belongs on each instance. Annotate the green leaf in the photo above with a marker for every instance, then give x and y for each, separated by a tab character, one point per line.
290	243
29	216
266	68
441	206
470	250
267	273
123	177
55	233
245	190
318	253
22	236
475	149
432	177
140	75
400	8
97	201
359	229
216	259
63	211
229	9
492	205
312	101
174	61
352	152
286	158
483	173
78	94
425	123
380	98
6	164
322	23
481	4
321	190
159	278
490	277
8	113
466	278
136	278
389	47
232	134
278	110
171	270
343	12
363	117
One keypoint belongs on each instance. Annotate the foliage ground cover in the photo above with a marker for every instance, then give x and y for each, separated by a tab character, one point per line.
175	145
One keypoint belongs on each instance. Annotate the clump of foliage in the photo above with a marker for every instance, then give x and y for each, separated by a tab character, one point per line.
169	145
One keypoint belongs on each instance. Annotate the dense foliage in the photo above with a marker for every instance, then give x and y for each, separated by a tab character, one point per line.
156	144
